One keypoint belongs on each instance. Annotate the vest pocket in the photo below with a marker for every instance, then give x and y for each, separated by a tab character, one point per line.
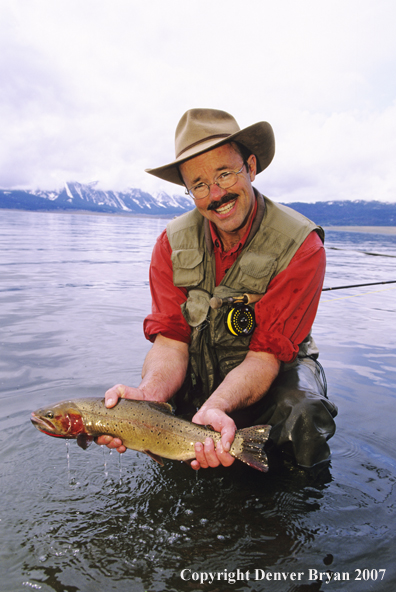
196	307
188	269
256	271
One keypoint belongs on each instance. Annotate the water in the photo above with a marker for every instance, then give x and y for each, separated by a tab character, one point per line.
73	295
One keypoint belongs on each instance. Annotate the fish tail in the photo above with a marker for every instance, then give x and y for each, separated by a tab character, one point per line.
251	449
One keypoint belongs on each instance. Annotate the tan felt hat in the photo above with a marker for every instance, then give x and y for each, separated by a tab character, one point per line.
200	130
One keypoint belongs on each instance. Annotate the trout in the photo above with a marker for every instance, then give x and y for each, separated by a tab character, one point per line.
145	426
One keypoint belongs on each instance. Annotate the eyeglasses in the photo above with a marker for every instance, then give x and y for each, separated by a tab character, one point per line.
224	181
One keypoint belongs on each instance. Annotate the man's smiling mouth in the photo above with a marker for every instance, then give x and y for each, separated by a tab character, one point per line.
223	205
226	207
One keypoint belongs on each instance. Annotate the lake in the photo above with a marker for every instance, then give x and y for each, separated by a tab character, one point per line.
73	295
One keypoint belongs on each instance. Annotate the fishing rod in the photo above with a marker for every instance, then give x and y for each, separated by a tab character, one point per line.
216	302
360	251
358	285
240	318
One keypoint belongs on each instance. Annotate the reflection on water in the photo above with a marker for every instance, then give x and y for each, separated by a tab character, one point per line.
73	295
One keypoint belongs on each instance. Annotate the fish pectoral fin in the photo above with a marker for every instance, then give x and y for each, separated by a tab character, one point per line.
84	441
164	407
155	457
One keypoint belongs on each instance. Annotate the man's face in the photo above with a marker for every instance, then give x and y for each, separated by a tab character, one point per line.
229	209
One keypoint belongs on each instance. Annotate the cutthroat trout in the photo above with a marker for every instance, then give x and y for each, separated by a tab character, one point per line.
145	426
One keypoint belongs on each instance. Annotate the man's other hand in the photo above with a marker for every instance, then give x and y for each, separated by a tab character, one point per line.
119	391
206	453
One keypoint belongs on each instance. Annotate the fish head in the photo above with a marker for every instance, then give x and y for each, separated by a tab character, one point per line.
62	420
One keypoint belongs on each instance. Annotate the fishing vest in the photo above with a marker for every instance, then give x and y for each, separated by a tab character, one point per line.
277	233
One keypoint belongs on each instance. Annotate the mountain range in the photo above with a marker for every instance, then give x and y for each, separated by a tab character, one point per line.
78	197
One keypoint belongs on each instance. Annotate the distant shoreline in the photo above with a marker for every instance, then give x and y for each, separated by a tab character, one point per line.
90	213
366	229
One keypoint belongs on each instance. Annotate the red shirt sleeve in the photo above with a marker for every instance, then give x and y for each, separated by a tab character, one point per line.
286	312
166	316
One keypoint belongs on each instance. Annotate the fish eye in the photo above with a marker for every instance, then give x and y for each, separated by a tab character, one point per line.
49	415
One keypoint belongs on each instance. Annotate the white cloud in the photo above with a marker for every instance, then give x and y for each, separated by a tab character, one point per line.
93	90
346	155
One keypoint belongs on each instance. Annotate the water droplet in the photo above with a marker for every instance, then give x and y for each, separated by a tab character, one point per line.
184	528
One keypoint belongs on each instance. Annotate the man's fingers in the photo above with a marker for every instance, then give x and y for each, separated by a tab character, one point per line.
103	440
121	391
210	453
113	394
110	402
224	458
200	456
195	465
112	443
121	449
206	454
227	437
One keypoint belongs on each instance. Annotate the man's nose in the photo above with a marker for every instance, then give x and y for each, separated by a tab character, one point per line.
216	192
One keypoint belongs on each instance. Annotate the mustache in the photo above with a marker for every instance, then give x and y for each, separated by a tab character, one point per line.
225	199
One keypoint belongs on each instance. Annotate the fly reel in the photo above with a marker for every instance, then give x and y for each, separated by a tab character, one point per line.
240	320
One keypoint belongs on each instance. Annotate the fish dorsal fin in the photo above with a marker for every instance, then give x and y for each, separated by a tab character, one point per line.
164	407
155	457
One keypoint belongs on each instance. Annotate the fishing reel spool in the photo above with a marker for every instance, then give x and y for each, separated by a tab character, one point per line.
240	319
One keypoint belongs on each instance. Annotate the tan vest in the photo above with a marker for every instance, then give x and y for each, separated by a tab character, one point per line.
277	233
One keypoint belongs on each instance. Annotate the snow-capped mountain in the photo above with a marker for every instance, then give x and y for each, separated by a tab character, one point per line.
76	196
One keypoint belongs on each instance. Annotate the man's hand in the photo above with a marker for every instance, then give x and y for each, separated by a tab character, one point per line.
163	373
207	455
119	391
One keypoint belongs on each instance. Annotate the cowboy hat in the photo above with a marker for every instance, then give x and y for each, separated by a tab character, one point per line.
200	130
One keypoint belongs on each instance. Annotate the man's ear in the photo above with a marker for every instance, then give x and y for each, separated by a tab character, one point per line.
252	167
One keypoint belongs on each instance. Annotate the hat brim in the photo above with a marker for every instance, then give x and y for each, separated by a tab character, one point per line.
258	138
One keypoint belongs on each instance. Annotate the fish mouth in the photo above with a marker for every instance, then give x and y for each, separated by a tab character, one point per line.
42	424
45	426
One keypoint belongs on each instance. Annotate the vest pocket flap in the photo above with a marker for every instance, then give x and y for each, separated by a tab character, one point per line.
195	309
187	258
258	266
188	269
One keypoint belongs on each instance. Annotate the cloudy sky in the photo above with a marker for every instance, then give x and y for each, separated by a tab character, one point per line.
92	90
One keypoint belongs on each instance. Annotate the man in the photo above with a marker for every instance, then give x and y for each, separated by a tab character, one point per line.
227	359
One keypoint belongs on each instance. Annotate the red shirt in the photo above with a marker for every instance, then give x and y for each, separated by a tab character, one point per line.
284	315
